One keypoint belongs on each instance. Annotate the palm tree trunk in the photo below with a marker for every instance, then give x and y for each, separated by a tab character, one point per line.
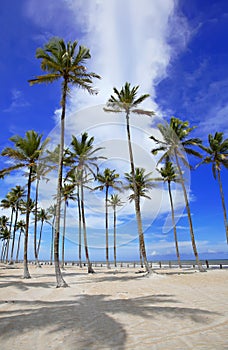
90	269
8	240
79	230
223	204
201	269
52	239
26	271
18	247
174	225
106	226
14	234
59	278
35	222
63	238
114	229
137	206
39	243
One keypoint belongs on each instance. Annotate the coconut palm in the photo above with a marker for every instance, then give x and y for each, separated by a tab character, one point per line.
4	234
21	226
52	211
8	203
169	175
74	178
25	154
108	180
61	61
42	216
67	194
143	183
218	156
17	193
126	101
175	145
84	161
114	202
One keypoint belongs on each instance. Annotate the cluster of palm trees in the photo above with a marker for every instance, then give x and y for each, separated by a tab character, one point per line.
78	164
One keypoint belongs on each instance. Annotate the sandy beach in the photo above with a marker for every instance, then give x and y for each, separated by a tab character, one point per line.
113	309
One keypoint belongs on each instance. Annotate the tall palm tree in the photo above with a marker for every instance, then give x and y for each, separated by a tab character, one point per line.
174	145
84	160
114	202
25	154
67	194
143	183
108	180
21	227
169	175
126	101
218	156
17	193
61	61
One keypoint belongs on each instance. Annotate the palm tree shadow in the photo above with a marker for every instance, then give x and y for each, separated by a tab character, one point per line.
91	320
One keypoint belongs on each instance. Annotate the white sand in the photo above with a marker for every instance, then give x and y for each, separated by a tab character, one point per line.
113	309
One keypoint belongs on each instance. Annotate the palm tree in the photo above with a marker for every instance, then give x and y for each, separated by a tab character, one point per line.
8	203
174	145
74	177
40	171
169	175
67	194
84	161
60	61
107	179
21	226
143	184
126	101
4	234
25	153
42	216
114	202
218	156
52	211
17	193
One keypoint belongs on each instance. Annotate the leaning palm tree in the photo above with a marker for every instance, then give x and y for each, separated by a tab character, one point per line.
67	194
114	202
126	101
108	180
83	158
175	145
21	226
218	156
169	175
143	184
25	154
61	61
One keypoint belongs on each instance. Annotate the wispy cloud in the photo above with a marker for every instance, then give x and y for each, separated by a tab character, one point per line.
18	101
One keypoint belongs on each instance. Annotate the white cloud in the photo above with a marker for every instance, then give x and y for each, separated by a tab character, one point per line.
17	101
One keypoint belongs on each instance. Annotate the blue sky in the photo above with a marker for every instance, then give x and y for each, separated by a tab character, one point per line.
175	50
